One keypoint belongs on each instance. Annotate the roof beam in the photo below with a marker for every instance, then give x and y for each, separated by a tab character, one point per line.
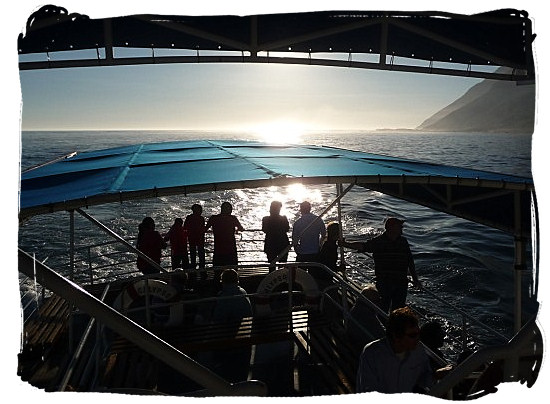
145	60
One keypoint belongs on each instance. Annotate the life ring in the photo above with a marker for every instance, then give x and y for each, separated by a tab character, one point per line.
157	288
279	277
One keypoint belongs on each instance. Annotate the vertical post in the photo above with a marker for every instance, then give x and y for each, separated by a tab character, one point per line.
108	32
253	36
383	41
339	191
71	244
511	365
36	293
90	272
147	304
339	194
519	261
71	264
290	275
464	334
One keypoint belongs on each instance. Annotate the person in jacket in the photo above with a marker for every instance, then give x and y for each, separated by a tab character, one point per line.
276	227
177	237
307	233
396	363
393	262
151	243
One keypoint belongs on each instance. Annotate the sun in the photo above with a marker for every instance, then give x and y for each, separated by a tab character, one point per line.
281	132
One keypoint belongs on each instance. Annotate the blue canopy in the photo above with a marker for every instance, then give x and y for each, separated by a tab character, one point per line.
182	167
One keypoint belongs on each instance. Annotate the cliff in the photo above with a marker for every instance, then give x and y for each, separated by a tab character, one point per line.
489	106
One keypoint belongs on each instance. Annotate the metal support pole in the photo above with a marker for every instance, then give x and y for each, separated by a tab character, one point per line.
71	272
121	240
147	303
136	334
519	262
511	366
71	244
339	191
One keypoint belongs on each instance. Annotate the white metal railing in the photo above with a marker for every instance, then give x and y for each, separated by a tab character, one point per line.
122	264
523	344
133	332
520	345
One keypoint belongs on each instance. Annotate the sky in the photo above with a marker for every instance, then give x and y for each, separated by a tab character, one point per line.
241	96
231	97
217	96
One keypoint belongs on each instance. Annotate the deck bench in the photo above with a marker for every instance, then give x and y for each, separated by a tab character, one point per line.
43	331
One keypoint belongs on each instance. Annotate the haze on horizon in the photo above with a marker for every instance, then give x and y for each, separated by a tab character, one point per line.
232	97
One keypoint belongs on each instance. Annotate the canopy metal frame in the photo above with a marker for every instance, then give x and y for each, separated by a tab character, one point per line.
455	43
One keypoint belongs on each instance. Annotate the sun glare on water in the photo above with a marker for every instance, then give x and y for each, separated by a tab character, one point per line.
281	132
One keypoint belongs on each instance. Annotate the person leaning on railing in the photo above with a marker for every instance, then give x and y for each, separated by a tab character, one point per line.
393	262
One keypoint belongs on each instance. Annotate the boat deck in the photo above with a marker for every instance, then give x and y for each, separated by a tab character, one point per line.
292	353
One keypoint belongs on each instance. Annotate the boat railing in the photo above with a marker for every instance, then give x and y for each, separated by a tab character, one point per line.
467	321
94	263
526	343
94	358
120	324
520	345
107	261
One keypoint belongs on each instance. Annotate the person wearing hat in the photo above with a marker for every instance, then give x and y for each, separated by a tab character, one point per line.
393	262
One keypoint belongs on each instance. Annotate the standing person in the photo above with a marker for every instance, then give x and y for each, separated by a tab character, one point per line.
151	243
397	363
328	255
177	236
307	233
275	226
195	226
393	261
224	226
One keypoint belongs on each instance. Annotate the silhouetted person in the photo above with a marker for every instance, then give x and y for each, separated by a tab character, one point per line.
328	255
224	226
393	261
177	237
195	226
307	233
149	242
275	226
432	335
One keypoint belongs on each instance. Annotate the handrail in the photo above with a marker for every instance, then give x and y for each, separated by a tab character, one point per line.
509	351
466	315
458	310
119	239
134	333
78	352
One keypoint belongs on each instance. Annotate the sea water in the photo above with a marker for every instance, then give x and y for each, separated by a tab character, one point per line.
468	265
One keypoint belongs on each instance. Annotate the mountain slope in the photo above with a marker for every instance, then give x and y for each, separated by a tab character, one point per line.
489	106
